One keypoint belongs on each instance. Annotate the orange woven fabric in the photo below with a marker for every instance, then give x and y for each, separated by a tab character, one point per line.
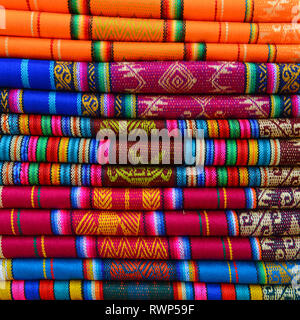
103	51
82	27
211	10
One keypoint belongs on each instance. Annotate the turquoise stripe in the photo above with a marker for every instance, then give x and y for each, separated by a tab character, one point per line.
51	72
181	177
242	292
25	73
78	102
52	102
254	176
85	127
61	290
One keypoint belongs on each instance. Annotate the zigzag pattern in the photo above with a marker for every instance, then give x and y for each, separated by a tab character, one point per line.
128	248
4	100
102	198
139	270
107	223
151	199
125	30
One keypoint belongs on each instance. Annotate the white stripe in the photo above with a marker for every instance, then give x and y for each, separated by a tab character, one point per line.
200	152
245	52
226	31
2	273
31	23
6	47
36	7
222	10
93	290
59	49
263	177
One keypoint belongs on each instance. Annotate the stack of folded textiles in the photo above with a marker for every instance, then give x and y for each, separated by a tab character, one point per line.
72	228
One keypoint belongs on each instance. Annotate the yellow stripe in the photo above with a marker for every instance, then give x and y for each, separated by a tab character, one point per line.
215	128
9	269
207	222
62	151
55	174
5	290
192	276
127	199
225	198
272	113
75	76
24	122
32	197
12	221
243	174
229	270
107	83
90	273
253	152
248	75
265	271
75	290
230	248
43	246
44	269
256	292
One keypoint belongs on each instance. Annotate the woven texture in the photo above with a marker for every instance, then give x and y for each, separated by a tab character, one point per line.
42	125
105	51
216	152
241	272
149	149
242	223
149	198
241	10
97	290
28	173
83	27
149	106
151	77
153	248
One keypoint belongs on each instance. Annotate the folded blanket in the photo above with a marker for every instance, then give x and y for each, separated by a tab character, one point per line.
150	223
43	125
84	27
109	290
151	77
55	174
149	106
152	248
208	152
103	51
240	272
225	10
148	199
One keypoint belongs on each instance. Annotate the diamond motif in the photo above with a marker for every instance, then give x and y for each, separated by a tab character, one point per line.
177	79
